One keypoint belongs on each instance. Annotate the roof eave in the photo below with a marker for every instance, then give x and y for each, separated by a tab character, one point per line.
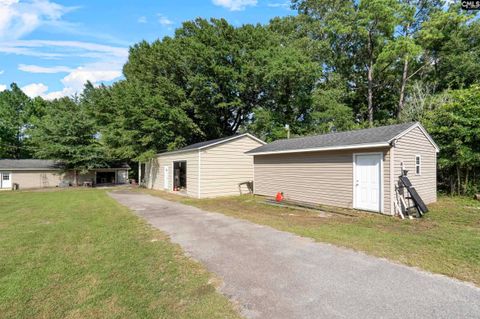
213	144
322	149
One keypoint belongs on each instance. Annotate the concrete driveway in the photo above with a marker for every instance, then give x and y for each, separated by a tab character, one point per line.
275	274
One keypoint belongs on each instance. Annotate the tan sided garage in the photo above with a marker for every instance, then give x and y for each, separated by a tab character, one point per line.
356	169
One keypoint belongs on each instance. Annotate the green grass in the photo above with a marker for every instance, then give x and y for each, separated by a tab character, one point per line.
446	241
78	254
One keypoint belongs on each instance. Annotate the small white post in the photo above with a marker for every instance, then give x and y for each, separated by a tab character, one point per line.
287	127
139	173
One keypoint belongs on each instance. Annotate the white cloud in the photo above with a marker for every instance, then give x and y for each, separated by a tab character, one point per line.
3	87
67	48
74	82
1	72
285	5
163	20
35	89
21	18
95	73
59	94
142	19
43	49
235	5
40	69
107	65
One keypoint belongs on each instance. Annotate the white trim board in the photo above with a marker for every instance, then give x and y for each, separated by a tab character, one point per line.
330	148
216	143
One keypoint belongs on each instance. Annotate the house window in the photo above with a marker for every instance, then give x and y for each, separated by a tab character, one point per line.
418	164
6	177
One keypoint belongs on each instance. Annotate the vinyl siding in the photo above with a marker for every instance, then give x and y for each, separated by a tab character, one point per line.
36	179
224	166
155	169
316	177
406	148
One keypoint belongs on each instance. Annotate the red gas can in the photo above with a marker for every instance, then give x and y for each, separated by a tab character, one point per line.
279	197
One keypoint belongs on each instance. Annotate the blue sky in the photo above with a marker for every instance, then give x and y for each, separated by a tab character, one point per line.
50	48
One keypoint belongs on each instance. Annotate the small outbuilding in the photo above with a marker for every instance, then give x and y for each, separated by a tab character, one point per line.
355	169
36	173
213	168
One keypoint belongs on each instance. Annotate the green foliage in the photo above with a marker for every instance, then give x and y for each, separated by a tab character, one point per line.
16	110
213	76
452	41
357	33
65	132
330	113
455	125
135	124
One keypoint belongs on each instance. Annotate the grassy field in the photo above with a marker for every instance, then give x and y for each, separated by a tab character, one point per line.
446	241
78	254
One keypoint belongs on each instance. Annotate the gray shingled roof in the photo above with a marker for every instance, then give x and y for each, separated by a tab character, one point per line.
376	135
29	164
38	164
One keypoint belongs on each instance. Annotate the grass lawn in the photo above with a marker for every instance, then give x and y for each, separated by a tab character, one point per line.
446	241
79	254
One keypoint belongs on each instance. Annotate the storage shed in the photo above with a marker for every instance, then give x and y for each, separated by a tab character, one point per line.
355	169
206	169
37	173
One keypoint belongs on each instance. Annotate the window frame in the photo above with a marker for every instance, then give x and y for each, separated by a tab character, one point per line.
419	165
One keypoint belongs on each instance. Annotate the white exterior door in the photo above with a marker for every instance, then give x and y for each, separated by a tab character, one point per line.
166	172
6	180
367	182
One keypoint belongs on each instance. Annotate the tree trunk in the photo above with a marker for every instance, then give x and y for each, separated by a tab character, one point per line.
370	80
370	94
452	185
459	181
465	185
75	182
401	100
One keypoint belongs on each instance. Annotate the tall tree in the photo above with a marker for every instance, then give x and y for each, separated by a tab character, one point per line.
214	68
66	133
223	78
414	13
452	40
133	123
357	30
15	112
455	125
